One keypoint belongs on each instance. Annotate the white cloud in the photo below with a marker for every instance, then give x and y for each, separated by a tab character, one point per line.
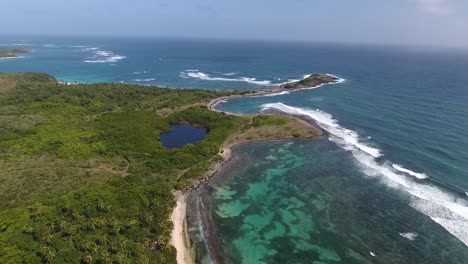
436	7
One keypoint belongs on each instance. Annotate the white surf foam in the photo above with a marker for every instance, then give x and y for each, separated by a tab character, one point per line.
341	135
138	73
207	77
145	80
229	73
103	56
49	45
445	208
11	58
194	73
17	44
276	94
410	235
410	172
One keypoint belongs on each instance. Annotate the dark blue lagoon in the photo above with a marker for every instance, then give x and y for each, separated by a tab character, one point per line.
181	135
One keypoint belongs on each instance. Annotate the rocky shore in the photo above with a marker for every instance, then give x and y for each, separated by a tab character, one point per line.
180	239
311	81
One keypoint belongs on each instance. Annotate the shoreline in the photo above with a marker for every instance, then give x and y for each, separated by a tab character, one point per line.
9	58
180	237
271	92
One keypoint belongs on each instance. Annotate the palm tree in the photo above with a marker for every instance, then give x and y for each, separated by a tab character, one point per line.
88	259
48	254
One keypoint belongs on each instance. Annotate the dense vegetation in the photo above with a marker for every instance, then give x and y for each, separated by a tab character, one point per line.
83	176
11	52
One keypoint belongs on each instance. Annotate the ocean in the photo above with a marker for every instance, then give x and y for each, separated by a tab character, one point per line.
390	183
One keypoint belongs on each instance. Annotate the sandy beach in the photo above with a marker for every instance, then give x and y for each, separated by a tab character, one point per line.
179	237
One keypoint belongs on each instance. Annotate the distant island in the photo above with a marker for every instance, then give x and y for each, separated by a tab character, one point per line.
86	178
310	81
11	53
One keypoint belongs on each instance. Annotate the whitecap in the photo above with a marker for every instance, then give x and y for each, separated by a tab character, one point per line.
229	73
410	172
342	136
410	235
49	45
17	44
145	80
275	94
12	58
103	56
445	208
138	73
207	77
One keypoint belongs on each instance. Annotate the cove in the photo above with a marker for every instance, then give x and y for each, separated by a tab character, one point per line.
181	135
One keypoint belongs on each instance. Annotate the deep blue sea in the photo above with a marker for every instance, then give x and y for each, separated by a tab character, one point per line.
397	152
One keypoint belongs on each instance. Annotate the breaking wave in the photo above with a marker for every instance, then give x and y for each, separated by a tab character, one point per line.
410	236
223	77
102	56
275	94
443	207
138	73
410	172
145	80
208	77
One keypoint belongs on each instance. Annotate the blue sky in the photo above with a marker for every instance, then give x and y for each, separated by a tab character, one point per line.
418	22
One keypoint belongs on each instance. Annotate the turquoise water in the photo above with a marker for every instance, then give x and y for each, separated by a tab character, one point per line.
400	121
306	201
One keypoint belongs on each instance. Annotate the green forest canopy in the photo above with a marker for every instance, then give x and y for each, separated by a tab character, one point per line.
83	175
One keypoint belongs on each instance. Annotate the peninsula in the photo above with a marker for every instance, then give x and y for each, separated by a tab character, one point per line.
86	179
11	53
311	81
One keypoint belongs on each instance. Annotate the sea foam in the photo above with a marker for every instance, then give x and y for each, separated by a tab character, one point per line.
207	77
447	209
345	137
102	56
145	80
410	235
410	172
194	73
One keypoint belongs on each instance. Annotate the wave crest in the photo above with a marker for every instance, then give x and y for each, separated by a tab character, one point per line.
208	77
103	56
443	207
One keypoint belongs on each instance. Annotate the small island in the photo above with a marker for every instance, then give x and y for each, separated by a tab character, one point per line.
11	53
311	81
